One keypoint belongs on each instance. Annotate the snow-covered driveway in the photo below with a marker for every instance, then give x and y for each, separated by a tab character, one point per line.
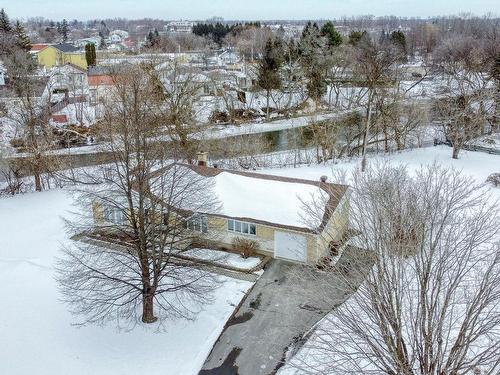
36	334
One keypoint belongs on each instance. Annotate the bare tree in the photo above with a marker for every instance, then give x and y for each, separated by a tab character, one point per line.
31	113
462	107
180	91
294	89
372	64
430	303
399	118
145	209
250	41
10	175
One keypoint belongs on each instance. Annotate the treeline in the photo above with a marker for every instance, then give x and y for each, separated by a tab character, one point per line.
327	66
218	31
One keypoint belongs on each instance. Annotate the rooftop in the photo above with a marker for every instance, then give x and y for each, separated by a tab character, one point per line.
66	47
268	199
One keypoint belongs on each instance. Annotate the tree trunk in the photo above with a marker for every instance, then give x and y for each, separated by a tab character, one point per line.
36	174
456	150
147	309
386	139
367	131
38	182
398	140
267	106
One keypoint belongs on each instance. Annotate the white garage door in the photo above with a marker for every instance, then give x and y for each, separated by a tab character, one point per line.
290	246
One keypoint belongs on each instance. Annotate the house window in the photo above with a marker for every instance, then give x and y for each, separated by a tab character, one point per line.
198	223
114	215
241	227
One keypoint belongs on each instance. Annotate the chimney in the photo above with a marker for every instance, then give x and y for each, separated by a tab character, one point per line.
323	179
202	158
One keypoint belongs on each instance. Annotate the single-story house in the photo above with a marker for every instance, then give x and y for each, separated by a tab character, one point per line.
273	211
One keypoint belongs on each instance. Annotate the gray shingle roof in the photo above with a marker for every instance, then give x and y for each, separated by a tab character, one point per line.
66	47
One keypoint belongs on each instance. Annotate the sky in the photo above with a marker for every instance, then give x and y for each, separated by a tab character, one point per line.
241	10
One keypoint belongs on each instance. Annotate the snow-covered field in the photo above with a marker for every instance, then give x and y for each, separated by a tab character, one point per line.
476	164
36	334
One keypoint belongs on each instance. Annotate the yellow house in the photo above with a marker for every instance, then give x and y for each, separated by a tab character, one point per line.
61	54
293	219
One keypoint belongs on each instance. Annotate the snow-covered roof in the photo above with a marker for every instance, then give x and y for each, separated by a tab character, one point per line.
274	200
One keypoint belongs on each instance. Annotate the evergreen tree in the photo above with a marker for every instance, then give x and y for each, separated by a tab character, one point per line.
102	44
150	40
269	69
333	37
218	31
356	36
87	53
311	48
90	54
153	39
64	30
5	25
103	30
94	54
399	40
22	39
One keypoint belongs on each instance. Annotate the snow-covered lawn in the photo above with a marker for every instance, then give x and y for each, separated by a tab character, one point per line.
35	328
224	258
476	164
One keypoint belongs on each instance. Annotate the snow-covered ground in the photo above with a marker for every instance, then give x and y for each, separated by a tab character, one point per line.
225	131
488	141
35	327
224	258
477	165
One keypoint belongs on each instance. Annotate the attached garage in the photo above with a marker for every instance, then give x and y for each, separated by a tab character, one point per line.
290	246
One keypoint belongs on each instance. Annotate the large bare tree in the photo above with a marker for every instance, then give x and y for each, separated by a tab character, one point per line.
144	208
430	303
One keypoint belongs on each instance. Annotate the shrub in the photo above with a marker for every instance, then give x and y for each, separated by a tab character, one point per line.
494	179
219	116
245	247
17	142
